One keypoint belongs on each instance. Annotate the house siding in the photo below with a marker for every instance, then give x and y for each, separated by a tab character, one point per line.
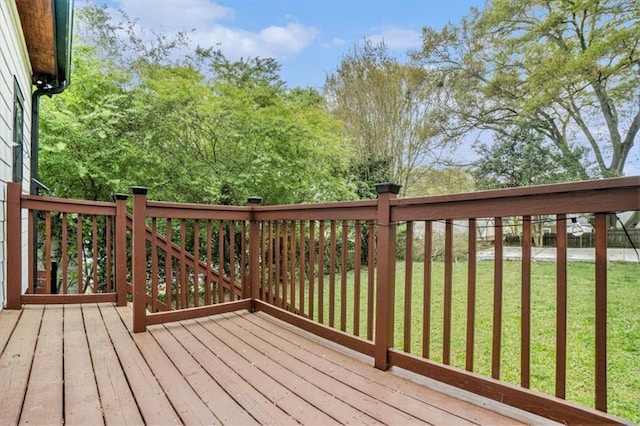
14	67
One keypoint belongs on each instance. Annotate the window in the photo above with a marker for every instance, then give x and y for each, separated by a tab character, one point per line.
18	132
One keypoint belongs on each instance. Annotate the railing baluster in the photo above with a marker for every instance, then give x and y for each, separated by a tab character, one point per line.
272	265
285	269
448	291
207	280
263	260
312	266
426	302
561	302
94	250
278	270
168	263
302	267
601	312
357	260
471	295
221	298
525	349
32	260
154	265
243	259
343	276
292	268
109	253
497	300
196	263
321	273
79	245
47	252
371	274
408	280
64	254
232	260
332	273
184	282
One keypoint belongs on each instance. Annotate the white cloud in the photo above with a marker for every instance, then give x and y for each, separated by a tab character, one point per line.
201	20
335	42
167	15
398	38
272	41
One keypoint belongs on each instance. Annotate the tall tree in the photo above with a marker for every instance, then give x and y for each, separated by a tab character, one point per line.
569	69
195	129
390	113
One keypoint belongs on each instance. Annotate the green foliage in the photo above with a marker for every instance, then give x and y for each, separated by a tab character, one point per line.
519	157
391	115
435	181
199	129
566	69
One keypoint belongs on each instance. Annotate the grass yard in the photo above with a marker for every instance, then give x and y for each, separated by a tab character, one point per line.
623	325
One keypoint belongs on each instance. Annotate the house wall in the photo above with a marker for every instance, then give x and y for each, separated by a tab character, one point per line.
14	66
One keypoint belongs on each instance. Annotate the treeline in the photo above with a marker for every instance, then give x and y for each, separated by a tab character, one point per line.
550	91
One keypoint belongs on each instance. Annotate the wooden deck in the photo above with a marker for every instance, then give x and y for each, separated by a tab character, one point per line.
80	364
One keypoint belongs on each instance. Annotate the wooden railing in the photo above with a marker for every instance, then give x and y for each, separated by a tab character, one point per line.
317	266
188	260
363	274
72	250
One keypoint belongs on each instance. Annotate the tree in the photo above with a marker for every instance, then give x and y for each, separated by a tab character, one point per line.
568	69
390	114
519	157
194	129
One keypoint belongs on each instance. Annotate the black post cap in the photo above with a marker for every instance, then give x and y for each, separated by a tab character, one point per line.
118	196
139	190
384	188
254	200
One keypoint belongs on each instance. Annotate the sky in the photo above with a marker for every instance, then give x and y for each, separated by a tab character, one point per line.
307	37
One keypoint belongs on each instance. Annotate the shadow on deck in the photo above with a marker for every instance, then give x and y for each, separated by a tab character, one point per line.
81	364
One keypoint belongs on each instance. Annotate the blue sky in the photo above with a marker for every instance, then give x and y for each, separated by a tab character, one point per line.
307	37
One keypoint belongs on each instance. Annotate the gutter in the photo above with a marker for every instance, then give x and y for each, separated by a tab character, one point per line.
36	185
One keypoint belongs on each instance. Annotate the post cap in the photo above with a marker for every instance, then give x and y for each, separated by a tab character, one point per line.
254	200
118	196
139	190
384	188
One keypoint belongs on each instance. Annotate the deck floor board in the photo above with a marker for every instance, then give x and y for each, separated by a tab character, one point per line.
82	400
237	368
118	404
15	364
41	406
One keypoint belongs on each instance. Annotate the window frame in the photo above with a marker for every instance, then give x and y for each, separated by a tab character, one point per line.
18	132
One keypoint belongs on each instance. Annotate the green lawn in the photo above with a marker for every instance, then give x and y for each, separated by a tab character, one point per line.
623	325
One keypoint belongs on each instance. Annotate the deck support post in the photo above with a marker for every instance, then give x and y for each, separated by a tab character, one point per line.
14	245
121	247
251	290
139	259
386	273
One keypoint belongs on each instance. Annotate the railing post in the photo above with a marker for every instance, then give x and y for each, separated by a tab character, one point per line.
139	259
386	273
121	247
14	246
254	255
